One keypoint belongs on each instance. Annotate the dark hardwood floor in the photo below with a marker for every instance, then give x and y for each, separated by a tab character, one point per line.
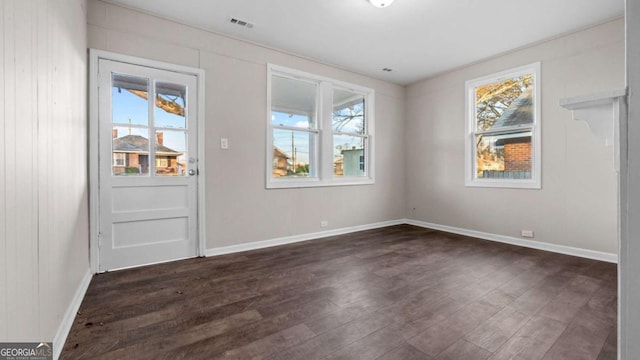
400	292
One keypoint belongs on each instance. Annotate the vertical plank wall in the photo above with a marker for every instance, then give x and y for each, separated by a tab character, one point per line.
43	164
630	197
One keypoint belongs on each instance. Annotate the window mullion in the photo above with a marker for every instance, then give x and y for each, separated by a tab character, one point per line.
325	109
152	127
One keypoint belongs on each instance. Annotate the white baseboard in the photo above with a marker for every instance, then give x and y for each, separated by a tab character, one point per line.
297	238
567	250
70	315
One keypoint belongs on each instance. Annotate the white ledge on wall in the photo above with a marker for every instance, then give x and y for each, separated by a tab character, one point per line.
602	113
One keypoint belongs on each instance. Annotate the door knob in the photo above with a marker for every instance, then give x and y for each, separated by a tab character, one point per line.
192	172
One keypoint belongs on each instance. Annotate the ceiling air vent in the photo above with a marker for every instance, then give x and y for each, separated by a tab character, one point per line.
239	22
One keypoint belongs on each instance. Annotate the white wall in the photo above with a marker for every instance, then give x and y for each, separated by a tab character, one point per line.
43	165
239	208
577	204
629	265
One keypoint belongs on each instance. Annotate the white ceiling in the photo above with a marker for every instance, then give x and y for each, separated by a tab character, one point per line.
415	38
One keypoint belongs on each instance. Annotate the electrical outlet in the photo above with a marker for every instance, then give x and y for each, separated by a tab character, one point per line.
324	223
527	233
224	143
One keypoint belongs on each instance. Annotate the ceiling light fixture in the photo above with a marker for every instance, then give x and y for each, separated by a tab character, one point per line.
381	3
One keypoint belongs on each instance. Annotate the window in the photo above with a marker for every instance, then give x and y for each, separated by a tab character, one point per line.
503	129
134	124
320	131
162	162
118	159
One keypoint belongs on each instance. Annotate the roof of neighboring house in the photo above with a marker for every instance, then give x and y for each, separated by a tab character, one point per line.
520	111
351	151
139	144
524	138
279	153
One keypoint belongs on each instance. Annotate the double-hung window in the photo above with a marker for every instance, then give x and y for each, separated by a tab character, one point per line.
503	129
349	136
320	131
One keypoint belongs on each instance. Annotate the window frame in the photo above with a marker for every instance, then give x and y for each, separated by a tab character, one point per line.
323	174
161	160
471	179
119	156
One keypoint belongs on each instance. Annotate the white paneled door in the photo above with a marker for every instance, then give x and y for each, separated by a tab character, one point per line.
148	165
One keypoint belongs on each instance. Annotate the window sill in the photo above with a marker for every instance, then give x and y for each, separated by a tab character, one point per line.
310	183
500	183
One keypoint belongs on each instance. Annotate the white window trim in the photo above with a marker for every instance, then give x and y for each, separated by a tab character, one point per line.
470	149
324	149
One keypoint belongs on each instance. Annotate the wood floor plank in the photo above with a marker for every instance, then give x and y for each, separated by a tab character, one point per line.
140	349
464	350
404	352
436	339
329	321
564	307
494	332
588	332
532	341
329	342
371	346
610	348
268	345
578	342
497	298
439	337
399	292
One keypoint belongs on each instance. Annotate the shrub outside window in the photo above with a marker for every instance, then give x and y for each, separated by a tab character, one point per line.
503	129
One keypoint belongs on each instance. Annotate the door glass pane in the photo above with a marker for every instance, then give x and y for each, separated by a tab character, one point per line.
291	153
504	156
348	155
170	106
348	112
130	151
129	100
130	117
171	153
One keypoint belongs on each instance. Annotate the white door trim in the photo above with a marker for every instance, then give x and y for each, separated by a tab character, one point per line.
94	206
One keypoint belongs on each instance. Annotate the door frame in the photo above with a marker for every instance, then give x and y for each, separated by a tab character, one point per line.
94	154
